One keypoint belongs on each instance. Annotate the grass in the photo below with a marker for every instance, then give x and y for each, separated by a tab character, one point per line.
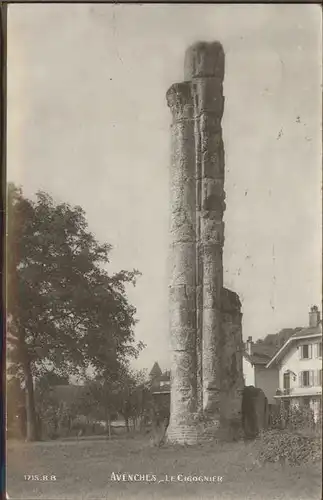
83	470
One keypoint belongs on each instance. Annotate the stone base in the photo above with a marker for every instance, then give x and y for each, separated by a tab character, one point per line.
183	434
201	430
231	429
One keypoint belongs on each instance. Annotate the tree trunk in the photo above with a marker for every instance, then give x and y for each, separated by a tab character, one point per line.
126	420
32	430
108	423
69	424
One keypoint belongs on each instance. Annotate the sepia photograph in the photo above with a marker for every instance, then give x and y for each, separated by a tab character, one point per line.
163	251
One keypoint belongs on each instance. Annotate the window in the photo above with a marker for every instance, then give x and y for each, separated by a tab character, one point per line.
319	350
317	378
305	379
286	381
306	351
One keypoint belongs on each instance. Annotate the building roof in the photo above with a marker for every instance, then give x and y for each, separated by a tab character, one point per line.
155	371
263	350
260	354
310	331
303	333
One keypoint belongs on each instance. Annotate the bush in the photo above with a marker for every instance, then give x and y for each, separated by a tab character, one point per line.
293	436
289	447
292	418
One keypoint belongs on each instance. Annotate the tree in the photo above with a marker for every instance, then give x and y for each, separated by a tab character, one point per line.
279	338
134	396
49	406
103	400
127	395
65	311
14	407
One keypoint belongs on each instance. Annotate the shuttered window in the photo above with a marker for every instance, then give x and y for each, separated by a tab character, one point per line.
286	381
312	374
306	351
306	378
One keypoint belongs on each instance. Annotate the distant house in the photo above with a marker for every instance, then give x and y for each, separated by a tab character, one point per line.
159	381
256	357
299	364
155	372
160	390
161	385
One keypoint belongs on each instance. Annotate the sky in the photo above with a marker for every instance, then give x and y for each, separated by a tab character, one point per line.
88	122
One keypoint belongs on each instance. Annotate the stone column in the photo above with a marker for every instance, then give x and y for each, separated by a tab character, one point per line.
182	289
199	271
204	66
232	372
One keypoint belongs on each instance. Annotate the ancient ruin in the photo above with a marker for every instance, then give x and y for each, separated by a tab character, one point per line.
205	318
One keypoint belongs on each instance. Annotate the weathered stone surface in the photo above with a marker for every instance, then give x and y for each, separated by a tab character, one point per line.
254	411
182	300
231	363
205	319
204	63
183	401
208	96
182	150
212	231
181	229
182	195
213	162
179	100
199	331
230	302
211	359
212	281
182	254
212	190
204	59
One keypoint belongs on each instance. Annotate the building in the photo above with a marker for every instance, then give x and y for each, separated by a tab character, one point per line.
160	390
155	372
159	381
256	357
299	363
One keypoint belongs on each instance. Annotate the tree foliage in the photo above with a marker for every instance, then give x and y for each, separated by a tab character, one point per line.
65	311
128	395
279	338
